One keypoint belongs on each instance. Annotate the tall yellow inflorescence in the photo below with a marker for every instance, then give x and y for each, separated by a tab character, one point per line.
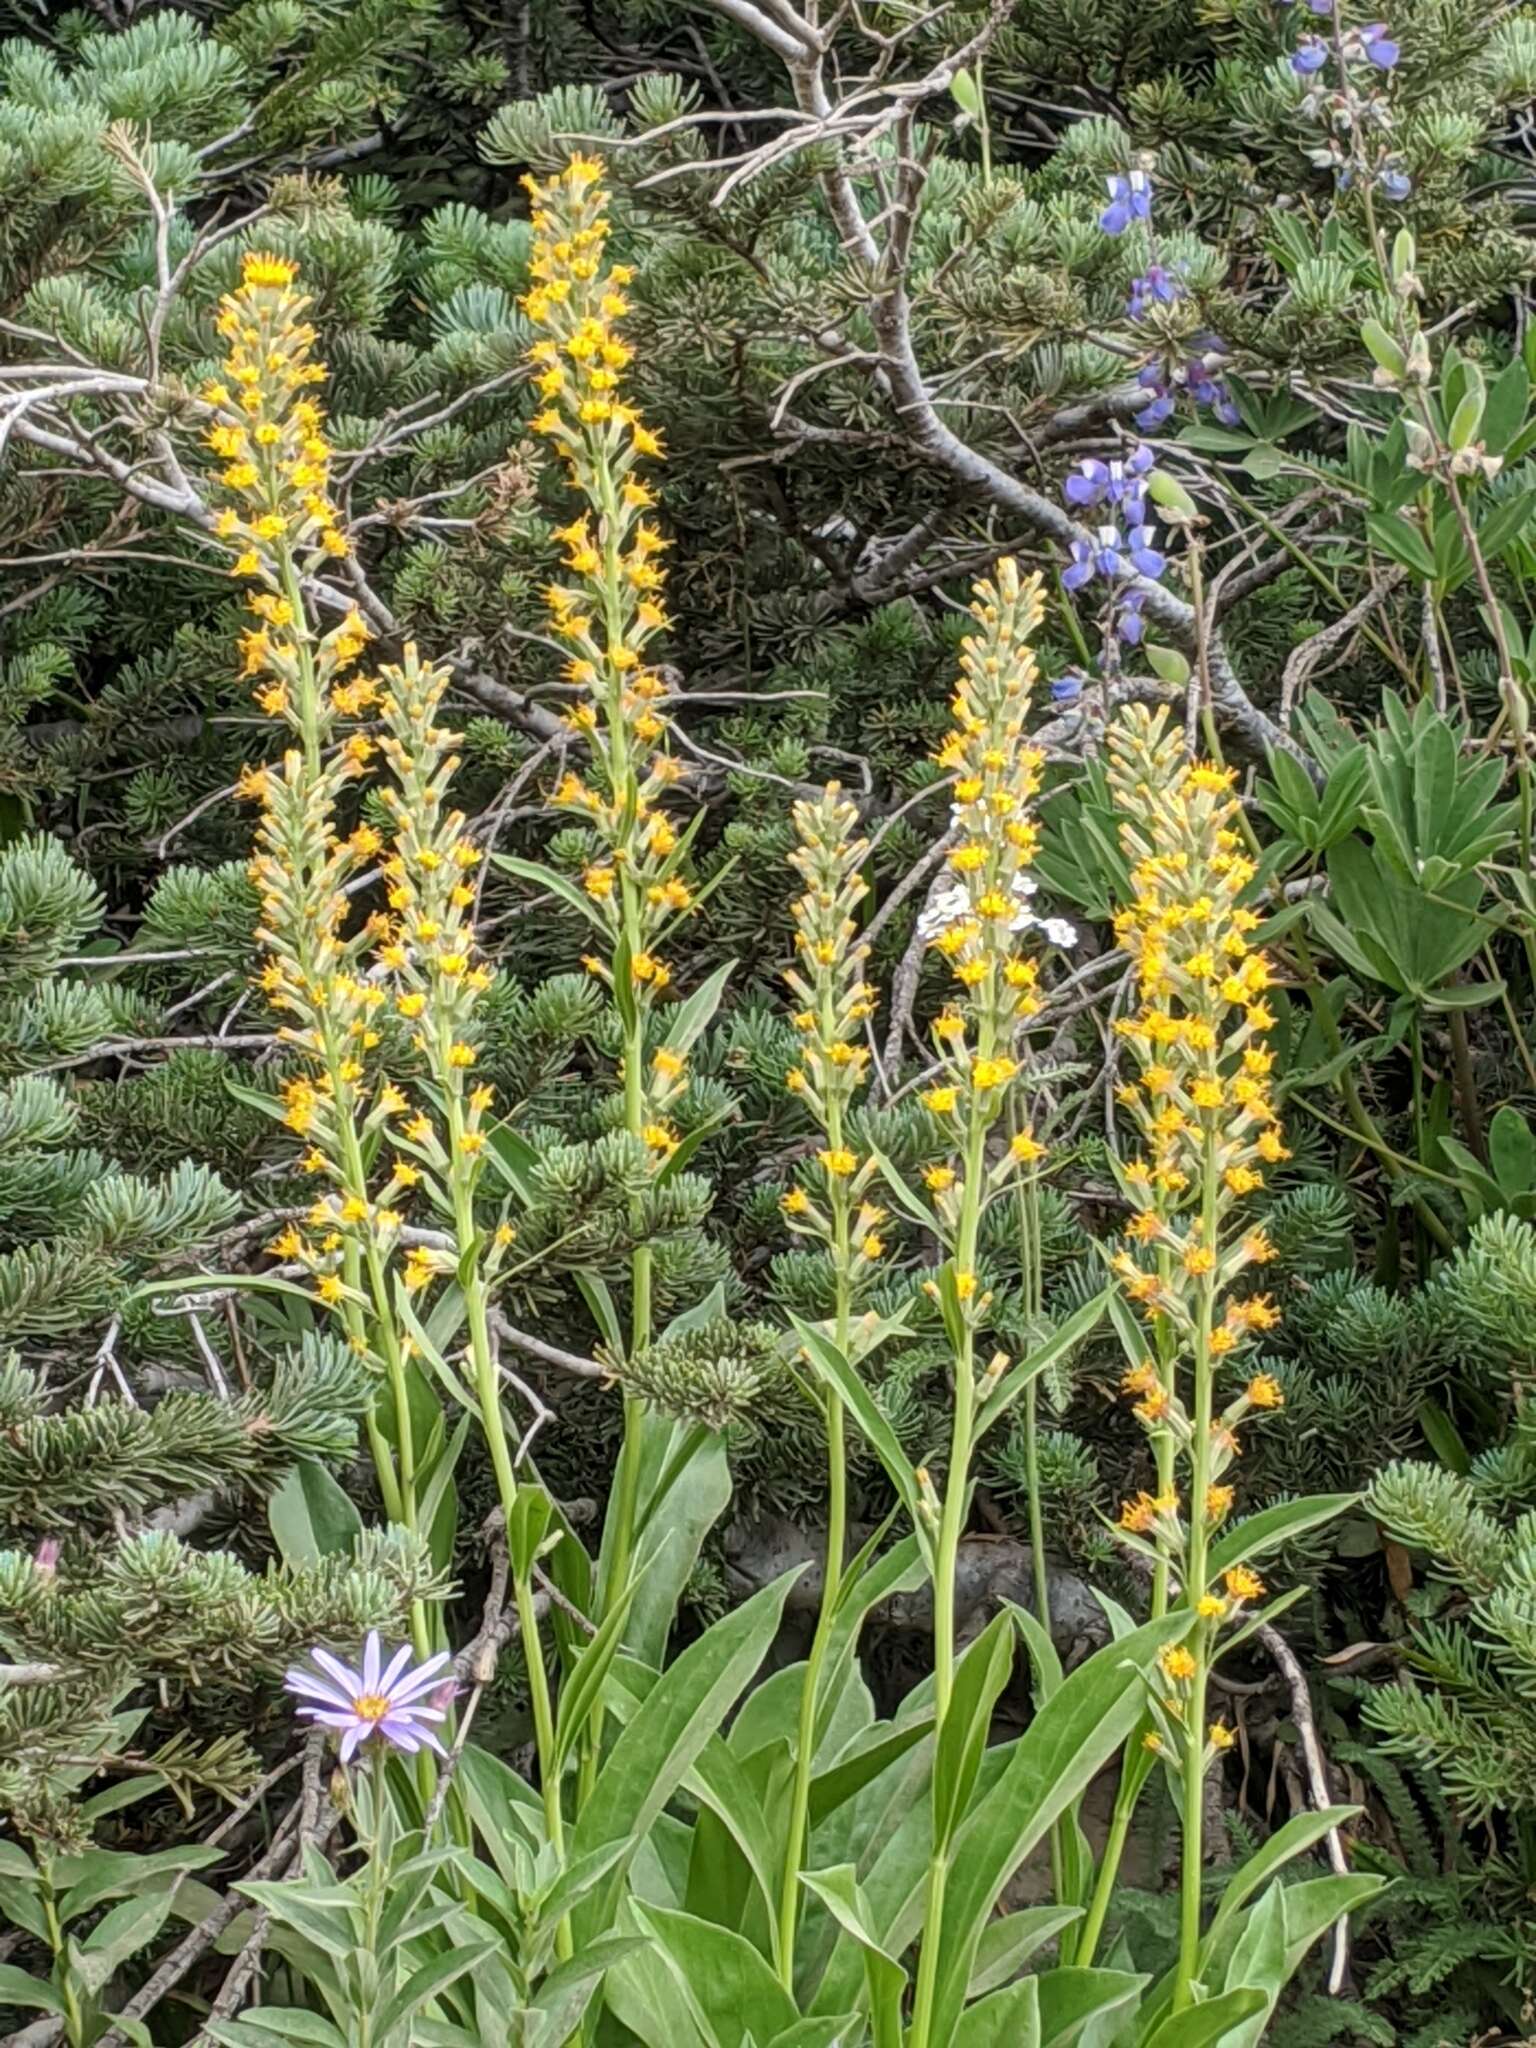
977	919
1202	1103
833	1002
1208	1131
331	977
270	436
611	605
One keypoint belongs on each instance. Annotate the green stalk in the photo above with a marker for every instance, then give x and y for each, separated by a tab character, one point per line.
951	1529
488	1396
398	1490
1192	1845
832	1576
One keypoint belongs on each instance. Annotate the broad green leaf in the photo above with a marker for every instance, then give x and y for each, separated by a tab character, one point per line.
843	2030
1056	1346
33	1994
691	1018
1276	1936
556	2009
1071	1997
1402	541
982	1673
584	1686
1009	2018
311	1516
841	1376
654	1753
1270	1527
1203	2026
885	1979
728	1987
559	885
719	1781
1069	1741
1007	1944
1294	1839
855	1768
282	2022
424	1984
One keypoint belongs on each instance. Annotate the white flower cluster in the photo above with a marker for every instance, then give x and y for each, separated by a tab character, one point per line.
950	905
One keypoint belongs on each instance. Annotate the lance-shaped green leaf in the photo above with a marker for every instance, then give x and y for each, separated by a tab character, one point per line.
836	1371
665	1737
1069	1741
982	1674
885	1980
1270	1527
728	1989
1058	1345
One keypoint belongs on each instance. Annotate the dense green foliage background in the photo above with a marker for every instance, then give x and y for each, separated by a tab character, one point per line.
856	425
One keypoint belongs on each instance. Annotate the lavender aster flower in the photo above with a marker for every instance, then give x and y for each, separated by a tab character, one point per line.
1130	198
392	1702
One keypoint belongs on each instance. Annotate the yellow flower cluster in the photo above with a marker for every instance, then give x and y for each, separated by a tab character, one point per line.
277	511
977	915
1202	1102
611	604
317	975
833	1002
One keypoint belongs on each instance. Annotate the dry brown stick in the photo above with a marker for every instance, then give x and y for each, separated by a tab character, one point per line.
1317	1780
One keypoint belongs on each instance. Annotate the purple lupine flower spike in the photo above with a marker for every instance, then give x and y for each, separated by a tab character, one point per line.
394	1702
1130	198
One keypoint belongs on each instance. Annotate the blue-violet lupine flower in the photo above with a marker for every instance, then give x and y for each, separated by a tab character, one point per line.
1310	55
1130	198
1394	182
1113	555
1067	687
1378	46
1155	287
392	1702
1117	481
1127	624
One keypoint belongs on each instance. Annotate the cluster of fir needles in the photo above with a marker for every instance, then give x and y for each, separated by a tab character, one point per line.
1208	1129
829	1204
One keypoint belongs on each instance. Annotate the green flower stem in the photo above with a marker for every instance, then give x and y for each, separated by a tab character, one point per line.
951	1529
1195	1574
397	1488
832	1571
